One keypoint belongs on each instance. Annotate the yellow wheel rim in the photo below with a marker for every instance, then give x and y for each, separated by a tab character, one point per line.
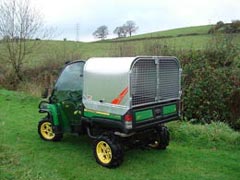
154	145
104	152
46	131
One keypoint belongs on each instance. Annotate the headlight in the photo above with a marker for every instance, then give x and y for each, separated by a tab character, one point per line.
43	105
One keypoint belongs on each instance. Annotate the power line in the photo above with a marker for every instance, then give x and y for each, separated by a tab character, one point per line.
77	32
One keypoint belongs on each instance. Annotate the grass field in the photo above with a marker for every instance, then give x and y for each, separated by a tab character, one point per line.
175	32
61	51
195	152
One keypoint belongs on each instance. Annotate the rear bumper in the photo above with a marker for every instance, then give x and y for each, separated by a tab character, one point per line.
158	115
152	123
157	118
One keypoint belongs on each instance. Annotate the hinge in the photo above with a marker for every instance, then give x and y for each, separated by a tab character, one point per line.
180	93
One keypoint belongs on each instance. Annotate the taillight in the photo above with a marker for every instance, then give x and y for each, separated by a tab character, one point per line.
128	117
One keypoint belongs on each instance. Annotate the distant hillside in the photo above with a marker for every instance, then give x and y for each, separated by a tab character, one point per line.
181	38
186	31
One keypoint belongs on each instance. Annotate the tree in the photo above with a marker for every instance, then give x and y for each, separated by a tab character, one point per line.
117	31
101	32
121	31
219	25
235	26
19	24
131	27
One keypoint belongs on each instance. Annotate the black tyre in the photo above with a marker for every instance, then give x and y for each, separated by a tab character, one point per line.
162	138
45	131
108	152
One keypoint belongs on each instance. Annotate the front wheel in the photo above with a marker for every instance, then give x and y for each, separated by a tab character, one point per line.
45	131
108	152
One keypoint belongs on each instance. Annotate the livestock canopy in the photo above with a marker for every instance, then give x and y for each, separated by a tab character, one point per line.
114	85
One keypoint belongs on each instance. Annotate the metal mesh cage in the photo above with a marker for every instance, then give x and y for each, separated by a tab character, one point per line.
143	82
168	79
154	80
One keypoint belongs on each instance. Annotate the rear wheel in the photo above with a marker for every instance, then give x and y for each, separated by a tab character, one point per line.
45	131
162	138
108	152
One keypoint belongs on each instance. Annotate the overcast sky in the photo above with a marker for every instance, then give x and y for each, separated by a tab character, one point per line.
149	15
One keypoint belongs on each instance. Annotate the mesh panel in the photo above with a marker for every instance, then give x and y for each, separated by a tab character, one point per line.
152	82
143	82
168	79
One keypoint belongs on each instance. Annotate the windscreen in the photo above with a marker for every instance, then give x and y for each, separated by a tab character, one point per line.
71	78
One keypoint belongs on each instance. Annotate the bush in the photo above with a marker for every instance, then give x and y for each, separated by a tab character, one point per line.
213	135
121	49
234	104
205	98
8	80
220	27
156	48
210	83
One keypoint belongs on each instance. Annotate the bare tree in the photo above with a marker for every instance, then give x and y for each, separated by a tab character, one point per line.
117	31
121	31
20	26
131	27
101	32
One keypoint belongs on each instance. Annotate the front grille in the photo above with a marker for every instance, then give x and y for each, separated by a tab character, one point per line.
154	80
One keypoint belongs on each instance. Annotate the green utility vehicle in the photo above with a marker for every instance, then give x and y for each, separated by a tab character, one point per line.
118	102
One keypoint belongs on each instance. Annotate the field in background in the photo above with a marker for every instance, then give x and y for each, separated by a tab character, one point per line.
185	31
180	39
195	152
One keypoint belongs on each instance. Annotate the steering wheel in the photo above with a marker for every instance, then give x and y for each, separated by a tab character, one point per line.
75	95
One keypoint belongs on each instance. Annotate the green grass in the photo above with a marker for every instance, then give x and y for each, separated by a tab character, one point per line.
62	51
195	152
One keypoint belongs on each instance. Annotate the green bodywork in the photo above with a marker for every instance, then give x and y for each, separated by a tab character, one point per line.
148	114
52	108
90	114
169	109
60	116
143	115
65	102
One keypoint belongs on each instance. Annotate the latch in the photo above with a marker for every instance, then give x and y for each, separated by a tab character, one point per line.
156	60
